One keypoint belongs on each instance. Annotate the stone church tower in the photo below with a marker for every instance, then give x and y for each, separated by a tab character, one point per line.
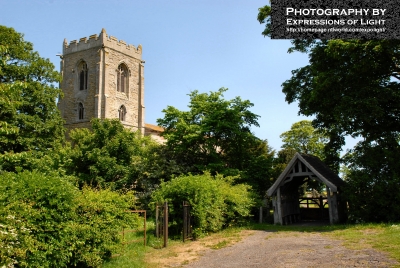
102	78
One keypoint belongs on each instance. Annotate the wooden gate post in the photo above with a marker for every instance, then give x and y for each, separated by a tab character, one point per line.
321	206
184	207
187	229
165	224
157	223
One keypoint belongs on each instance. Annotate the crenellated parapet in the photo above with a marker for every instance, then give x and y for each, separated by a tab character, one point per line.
102	40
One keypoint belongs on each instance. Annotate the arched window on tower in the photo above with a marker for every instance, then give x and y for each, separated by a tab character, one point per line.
122	113
122	78
83	76
81	111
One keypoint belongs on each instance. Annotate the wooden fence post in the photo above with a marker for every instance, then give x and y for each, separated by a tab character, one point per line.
157	223
187	228
165	224
184	220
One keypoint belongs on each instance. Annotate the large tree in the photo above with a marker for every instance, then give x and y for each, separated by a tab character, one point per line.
215	134
304	138
352	88
29	117
107	155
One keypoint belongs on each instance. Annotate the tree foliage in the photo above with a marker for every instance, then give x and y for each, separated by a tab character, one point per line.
283	158
259	173
264	16
373	180
107	155
304	138
215	135
29	117
352	88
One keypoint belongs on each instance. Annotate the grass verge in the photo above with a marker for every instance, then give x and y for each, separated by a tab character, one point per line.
381	237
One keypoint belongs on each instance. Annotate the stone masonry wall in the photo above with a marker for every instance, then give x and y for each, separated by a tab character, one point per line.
70	86
102	54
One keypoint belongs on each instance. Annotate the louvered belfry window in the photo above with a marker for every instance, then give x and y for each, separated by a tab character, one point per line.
83	76
122	79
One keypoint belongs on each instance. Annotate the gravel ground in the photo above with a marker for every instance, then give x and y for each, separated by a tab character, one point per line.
266	249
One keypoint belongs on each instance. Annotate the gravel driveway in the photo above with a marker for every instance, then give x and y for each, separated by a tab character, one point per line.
266	249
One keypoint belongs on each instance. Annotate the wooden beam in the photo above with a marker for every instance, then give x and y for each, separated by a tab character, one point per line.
279	205
335	213
328	193
299	174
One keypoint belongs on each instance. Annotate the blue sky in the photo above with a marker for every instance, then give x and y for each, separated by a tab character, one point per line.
187	45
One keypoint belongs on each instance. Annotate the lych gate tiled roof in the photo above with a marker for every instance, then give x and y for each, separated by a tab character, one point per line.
323	169
315	166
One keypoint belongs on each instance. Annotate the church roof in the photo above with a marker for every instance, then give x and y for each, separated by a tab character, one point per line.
313	167
153	127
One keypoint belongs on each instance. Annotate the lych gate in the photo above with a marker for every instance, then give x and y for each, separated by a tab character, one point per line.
289	204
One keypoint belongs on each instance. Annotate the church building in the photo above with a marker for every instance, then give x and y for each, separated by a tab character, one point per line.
103	77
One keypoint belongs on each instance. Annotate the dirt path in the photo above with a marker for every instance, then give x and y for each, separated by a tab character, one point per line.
266	249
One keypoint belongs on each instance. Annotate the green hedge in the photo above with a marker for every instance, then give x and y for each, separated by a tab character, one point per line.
45	221
216	202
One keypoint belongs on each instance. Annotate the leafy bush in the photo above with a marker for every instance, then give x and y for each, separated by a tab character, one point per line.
45	221
33	212
108	155
216	203
94	234
49	161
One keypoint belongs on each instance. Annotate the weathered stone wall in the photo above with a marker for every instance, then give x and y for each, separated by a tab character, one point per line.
102	54
114	99
70	86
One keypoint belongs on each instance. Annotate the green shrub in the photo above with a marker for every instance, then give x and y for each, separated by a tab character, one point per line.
107	155
216	203
95	233
33	212
45	221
